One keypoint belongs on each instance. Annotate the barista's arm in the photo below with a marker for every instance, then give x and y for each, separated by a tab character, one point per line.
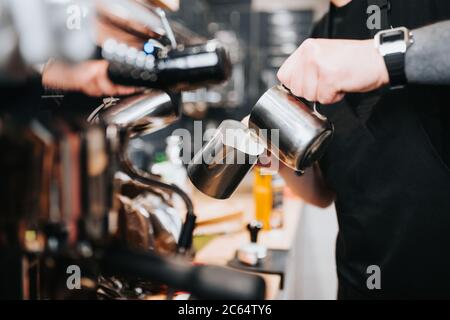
428	60
311	186
324	70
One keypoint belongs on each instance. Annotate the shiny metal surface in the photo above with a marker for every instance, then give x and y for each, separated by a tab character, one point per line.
219	167
299	139
302	135
141	114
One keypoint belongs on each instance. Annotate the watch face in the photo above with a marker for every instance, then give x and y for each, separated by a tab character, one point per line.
393	36
393	41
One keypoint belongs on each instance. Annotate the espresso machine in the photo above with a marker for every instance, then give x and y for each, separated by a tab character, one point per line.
72	214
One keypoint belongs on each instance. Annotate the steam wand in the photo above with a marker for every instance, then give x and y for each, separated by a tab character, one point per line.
187	229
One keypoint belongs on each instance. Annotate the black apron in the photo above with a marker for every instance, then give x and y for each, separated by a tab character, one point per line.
388	166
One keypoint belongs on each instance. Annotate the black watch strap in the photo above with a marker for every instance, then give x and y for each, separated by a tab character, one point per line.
395	64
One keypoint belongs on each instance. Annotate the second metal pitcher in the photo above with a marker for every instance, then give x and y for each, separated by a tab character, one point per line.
302	132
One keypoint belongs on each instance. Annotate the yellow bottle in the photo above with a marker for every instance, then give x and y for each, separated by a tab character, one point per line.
277	215
262	193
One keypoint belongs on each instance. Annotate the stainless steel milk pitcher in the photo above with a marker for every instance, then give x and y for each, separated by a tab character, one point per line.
302	135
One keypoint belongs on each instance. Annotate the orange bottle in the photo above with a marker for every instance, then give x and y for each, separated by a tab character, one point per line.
262	193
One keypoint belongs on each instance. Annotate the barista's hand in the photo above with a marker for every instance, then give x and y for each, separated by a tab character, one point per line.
324	70
88	77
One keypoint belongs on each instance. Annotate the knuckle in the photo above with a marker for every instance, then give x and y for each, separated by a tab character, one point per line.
338	97
310	47
324	100
323	97
281	74
326	78
310	96
297	90
308	44
329	70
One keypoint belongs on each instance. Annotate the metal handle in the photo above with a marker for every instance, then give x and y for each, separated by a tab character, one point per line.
311	104
317	113
167	28
254	227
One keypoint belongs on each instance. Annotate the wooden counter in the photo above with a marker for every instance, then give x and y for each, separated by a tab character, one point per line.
223	247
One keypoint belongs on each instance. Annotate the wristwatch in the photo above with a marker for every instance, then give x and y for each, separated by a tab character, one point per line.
392	45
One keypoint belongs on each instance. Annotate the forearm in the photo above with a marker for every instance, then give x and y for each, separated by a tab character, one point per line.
310	186
427	61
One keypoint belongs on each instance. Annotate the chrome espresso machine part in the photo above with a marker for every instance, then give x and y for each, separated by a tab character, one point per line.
142	113
138	115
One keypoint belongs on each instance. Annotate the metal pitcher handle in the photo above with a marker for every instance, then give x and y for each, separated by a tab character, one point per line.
317	113
308	103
